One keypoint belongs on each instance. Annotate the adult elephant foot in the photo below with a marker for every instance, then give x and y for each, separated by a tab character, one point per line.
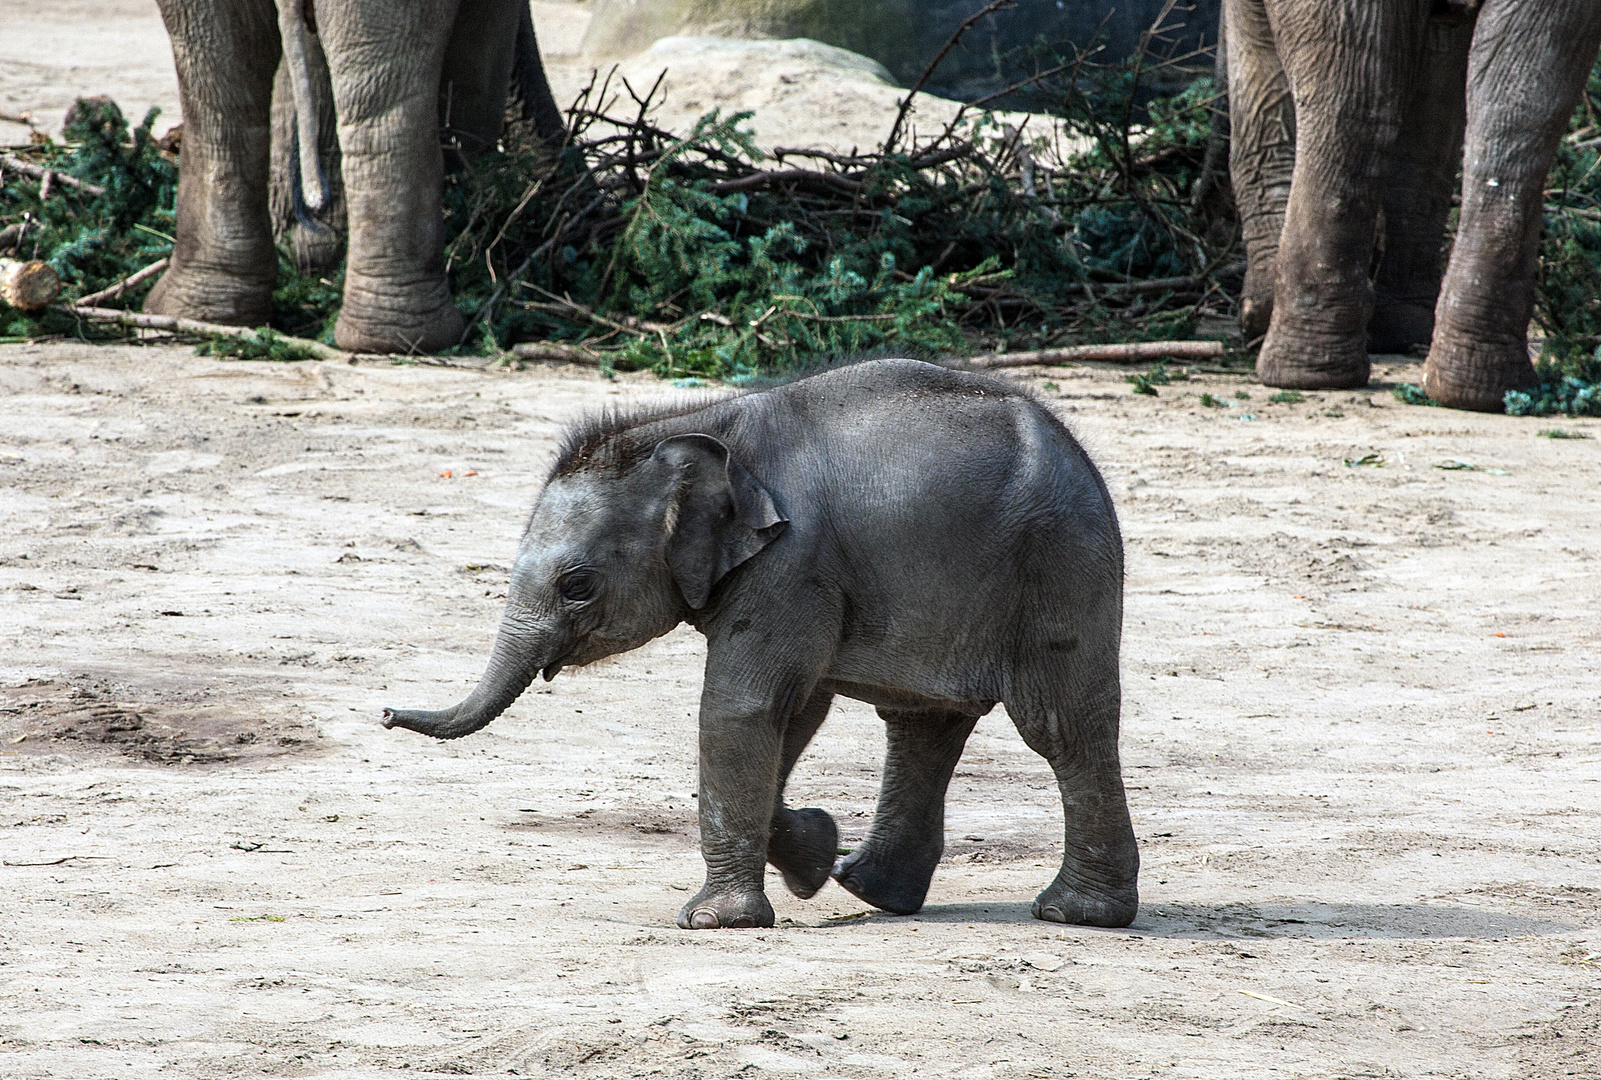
230	298
420	319
717	908
802	846
1064	902
1398	325
1313	363
891	881
1476	375
1256	300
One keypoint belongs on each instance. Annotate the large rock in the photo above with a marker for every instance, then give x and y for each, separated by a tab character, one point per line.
906	35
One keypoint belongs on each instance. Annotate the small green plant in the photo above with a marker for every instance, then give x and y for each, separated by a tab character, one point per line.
1563	433
1147	382
1410	394
1241	395
1214	402
1458	465
1049	386
264	344
1568	385
1375	460
1287	397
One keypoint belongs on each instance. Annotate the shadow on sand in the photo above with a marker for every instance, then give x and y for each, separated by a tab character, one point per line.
1218	922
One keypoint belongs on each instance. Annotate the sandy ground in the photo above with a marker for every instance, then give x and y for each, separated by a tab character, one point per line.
1361	740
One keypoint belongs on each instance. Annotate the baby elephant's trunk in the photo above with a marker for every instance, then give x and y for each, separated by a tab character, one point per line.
512	666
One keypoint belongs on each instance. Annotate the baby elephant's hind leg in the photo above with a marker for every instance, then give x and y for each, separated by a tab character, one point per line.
1070	718
893	868
803	843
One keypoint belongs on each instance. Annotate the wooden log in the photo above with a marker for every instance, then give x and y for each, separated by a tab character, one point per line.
40	173
1125	352
554	350
195	326
138	277
28	285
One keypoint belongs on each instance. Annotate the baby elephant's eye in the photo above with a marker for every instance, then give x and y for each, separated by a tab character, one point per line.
579	585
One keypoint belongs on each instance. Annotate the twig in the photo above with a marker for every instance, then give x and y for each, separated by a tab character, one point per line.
1124	352
928	72
835	318
195	326
1271	1000
39	172
783	176
57	862
628	323
138	277
1172	284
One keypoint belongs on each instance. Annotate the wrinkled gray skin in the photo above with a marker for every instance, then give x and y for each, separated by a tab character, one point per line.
1346	113
928	541
316	234
390	74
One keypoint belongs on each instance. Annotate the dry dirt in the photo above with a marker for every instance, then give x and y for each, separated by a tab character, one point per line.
1360	736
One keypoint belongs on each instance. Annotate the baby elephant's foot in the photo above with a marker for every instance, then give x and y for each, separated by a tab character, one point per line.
803	845
895	884
1064	904
720	908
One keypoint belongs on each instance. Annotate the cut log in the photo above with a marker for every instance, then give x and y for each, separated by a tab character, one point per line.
28	285
1125	352
552	350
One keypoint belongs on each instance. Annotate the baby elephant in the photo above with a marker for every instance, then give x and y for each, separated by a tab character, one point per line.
925	540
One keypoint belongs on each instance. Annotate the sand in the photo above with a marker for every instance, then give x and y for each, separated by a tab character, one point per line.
1360	738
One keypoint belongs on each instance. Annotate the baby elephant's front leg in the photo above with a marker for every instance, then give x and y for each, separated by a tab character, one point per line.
739	758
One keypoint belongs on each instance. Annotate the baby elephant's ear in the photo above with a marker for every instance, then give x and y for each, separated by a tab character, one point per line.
723	515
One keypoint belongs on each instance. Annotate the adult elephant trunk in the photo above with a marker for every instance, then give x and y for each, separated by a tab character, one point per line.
516	659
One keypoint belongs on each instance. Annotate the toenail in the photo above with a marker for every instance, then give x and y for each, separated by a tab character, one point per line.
704	919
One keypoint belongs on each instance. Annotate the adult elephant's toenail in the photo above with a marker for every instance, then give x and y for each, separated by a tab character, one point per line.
744	922
704	919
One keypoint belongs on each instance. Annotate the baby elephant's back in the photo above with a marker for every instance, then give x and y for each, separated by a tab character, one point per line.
922	475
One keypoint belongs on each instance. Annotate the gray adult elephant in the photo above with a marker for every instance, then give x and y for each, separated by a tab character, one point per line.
1343	110
395	72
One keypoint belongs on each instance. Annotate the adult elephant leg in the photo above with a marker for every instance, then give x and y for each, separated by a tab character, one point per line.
530	87
1349	64
1417	195
802	843
1525	72
1261	151
893	868
223	264
384	60
476	75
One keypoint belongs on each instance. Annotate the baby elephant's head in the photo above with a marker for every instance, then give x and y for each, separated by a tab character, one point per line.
620	549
